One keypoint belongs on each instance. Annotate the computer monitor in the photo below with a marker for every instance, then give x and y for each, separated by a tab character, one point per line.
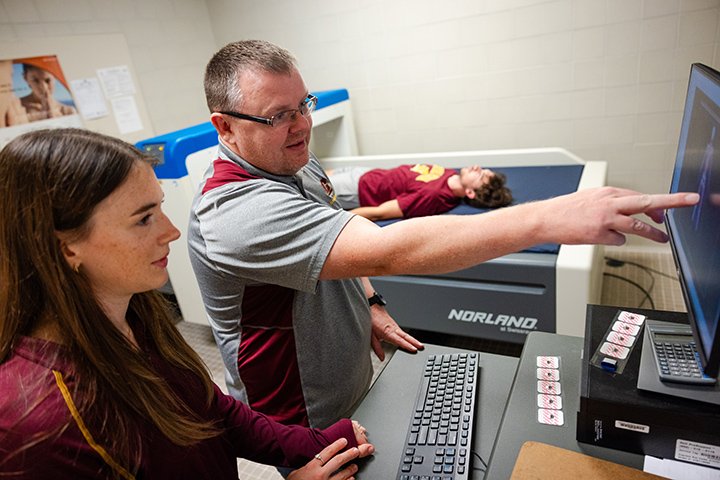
695	232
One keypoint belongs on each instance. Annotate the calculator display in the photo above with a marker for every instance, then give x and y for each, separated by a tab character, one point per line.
659	337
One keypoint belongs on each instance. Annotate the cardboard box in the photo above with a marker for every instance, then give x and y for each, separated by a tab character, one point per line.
538	461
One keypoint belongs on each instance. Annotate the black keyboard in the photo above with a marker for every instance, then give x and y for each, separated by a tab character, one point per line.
439	440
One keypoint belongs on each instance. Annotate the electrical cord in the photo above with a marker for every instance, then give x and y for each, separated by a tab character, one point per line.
481	461
639	287
615	262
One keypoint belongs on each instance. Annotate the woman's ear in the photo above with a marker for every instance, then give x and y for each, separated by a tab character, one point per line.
67	247
470	193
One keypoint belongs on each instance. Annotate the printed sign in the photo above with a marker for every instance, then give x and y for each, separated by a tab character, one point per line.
34	94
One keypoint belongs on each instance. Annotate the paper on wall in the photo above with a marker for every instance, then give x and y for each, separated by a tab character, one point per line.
126	114
116	81
89	97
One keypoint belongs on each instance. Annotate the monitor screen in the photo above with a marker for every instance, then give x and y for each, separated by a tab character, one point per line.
695	231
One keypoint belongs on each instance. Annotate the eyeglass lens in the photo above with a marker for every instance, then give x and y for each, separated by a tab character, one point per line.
306	108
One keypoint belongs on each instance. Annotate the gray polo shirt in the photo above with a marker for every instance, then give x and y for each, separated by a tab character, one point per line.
294	347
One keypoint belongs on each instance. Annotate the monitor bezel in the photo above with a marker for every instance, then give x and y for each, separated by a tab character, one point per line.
710	360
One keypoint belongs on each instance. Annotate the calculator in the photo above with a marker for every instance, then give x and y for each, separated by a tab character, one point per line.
676	355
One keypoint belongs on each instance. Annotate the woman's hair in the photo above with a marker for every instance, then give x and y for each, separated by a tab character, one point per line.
492	194
51	181
222	89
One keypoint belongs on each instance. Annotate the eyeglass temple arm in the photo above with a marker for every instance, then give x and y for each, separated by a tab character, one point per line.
243	116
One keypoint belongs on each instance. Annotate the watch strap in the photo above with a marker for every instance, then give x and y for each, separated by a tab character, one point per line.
377	299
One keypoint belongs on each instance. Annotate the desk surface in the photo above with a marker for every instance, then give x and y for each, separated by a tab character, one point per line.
386	410
520	424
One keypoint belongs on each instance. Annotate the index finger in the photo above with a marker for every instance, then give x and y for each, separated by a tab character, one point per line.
340	459
332	449
653	204
409	340
402	339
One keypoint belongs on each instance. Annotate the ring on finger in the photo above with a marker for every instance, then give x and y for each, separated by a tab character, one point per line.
318	457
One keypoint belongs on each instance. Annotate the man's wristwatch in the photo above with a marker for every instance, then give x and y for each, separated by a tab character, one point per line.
377	299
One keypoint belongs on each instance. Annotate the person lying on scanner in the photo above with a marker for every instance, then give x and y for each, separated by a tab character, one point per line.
416	190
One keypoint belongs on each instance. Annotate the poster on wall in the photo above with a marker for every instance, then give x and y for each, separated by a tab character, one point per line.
34	94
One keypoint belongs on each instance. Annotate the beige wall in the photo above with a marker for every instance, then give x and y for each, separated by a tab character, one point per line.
603	78
170	41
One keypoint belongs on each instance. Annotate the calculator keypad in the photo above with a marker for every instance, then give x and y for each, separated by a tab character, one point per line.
678	359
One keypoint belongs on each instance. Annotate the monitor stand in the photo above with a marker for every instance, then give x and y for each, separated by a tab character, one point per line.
649	380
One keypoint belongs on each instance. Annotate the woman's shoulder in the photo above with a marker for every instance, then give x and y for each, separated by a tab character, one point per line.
32	405
28	381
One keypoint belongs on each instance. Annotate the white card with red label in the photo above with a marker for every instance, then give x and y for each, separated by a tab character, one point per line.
550	417
621	339
550	374
552	388
615	351
548	362
627	328
553	402
634	318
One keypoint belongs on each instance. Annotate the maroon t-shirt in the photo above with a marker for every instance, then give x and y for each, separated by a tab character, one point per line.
419	189
31	403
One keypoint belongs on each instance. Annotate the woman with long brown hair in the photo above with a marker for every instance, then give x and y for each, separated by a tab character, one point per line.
96	381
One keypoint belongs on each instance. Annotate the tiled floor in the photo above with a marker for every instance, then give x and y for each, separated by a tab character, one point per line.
642	271
633	278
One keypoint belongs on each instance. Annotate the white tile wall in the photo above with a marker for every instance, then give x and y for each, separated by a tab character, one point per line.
603	78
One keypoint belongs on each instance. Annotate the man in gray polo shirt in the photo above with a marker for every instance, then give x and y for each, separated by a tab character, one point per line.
283	269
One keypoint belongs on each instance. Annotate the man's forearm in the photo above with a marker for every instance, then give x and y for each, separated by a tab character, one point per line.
434	244
451	242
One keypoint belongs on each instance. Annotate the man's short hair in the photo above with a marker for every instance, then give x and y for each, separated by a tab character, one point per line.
28	67
222	91
492	194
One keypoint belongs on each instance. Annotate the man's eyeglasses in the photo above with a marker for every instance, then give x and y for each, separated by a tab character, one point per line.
283	118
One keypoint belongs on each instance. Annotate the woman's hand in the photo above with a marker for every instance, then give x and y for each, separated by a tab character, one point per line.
326	464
